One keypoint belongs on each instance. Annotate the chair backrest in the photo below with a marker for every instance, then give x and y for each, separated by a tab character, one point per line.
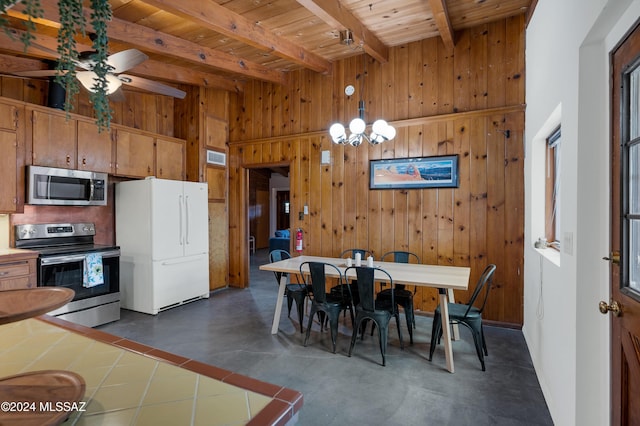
365	277
364	253
482	287
276	256
400	256
316	273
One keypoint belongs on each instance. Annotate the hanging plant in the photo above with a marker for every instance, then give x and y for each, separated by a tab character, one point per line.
72	22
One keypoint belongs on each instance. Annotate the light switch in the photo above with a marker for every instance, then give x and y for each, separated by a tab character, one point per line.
325	157
306	209
567	242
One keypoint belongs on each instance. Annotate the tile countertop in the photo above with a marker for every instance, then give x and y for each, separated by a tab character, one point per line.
128	383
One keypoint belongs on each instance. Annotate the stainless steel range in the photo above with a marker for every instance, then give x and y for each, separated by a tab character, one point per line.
70	258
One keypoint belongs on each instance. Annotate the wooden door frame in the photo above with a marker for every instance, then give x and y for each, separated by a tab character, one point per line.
623	328
243	210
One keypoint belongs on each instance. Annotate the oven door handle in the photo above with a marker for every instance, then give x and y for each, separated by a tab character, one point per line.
56	260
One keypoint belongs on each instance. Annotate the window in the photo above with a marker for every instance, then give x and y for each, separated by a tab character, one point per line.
552	189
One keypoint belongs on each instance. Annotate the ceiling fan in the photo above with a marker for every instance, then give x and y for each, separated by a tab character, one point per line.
120	62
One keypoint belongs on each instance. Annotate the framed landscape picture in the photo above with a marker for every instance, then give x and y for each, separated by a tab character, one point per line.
419	172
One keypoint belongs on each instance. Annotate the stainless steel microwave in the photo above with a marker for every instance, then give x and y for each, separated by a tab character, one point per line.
63	187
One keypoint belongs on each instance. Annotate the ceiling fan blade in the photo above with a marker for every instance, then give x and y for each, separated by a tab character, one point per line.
55	54
127	59
45	49
152	86
39	73
117	96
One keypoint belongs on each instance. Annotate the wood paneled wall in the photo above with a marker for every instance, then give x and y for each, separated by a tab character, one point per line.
462	103
141	110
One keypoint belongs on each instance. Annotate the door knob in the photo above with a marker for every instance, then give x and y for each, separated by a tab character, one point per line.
614	257
612	306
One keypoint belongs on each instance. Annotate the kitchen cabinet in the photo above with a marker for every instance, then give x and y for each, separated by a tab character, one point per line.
18	269
170	158
12	158
140	154
53	139
134	154
95	149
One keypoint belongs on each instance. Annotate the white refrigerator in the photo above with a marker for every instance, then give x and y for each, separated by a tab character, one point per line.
162	229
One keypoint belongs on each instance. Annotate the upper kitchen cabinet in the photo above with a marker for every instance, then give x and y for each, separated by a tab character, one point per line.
12	158
95	149
53	139
170	158
134	153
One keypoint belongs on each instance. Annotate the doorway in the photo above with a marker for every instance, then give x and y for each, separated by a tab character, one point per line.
268	203
624	305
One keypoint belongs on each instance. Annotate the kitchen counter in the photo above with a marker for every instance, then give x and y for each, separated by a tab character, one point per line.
8	253
129	383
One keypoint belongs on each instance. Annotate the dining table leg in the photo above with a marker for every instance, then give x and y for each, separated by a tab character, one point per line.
446	335
455	329
279	302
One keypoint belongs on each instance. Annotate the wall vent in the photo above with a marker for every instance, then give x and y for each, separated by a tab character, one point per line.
215	157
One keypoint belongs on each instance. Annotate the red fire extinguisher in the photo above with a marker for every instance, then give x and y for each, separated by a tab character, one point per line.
299	240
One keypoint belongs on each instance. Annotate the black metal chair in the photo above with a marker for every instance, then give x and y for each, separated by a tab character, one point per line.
353	285
468	315
380	312
403	297
294	291
322	302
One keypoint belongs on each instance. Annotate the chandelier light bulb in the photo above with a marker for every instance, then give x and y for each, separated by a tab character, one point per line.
357	126
379	126
336	130
389	133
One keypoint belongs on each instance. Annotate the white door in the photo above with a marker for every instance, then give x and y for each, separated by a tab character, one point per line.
196	216
167	219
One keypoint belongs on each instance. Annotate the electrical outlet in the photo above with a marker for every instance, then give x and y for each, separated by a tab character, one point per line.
567	243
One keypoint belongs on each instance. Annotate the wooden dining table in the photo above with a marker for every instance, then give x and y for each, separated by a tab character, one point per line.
445	278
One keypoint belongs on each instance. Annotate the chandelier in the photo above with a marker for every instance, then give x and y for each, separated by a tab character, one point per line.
381	131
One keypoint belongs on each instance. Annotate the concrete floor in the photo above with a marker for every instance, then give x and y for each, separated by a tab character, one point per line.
231	330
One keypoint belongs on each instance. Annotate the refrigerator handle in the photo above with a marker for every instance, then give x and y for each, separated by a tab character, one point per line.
188	231
180	210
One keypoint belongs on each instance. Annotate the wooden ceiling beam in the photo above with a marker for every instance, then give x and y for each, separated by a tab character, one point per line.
182	75
153	41
441	16
337	16
10	64
215	17
149	68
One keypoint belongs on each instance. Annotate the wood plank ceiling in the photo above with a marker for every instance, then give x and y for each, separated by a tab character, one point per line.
223	43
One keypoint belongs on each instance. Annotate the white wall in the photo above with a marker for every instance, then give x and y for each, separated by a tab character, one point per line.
276	183
4	231
568	44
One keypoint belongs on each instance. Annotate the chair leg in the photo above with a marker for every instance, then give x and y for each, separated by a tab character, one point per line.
354	336
397	315
409	317
299	298
333	323
435	329
477	340
300	307
311	314
289	303
383	337
484	342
